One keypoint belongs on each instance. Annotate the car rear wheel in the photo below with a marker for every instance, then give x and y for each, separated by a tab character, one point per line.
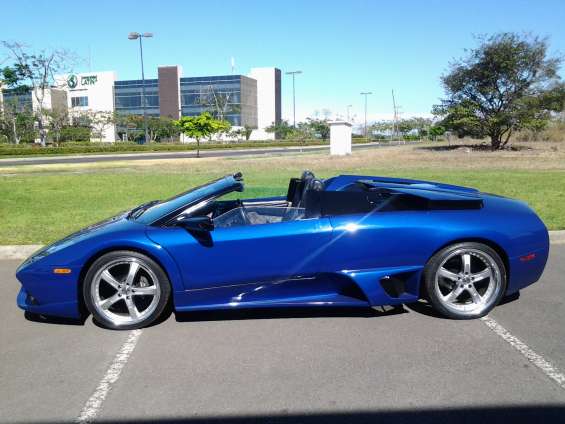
125	290
465	280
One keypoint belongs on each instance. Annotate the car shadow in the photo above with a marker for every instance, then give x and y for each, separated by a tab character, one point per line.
425	308
286	313
43	319
420	307
509	299
515	414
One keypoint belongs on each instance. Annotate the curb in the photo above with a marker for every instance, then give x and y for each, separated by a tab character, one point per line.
18	252
23	251
557	237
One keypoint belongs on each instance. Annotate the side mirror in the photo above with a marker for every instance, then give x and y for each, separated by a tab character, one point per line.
198	224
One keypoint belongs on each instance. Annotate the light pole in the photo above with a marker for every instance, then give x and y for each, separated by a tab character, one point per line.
135	36
348	108
293	73
366	93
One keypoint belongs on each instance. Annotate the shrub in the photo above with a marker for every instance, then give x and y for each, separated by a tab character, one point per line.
75	133
555	131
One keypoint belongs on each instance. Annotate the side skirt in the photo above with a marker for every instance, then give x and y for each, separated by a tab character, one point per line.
320	290
347	288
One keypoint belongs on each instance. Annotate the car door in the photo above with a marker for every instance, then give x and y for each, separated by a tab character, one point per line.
247	253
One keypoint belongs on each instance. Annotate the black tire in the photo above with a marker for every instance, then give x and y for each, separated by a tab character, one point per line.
480	250
144	263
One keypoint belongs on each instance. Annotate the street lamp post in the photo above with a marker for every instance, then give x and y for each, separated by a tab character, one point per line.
293	73
366	93
135	36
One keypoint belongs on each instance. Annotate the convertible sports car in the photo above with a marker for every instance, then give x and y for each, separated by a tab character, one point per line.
348	241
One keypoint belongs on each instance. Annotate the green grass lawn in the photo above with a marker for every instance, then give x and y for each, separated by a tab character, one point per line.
42	208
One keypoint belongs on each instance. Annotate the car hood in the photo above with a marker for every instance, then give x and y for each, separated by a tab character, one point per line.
102	226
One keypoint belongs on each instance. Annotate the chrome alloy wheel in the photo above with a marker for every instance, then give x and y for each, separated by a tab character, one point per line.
125	291
468	281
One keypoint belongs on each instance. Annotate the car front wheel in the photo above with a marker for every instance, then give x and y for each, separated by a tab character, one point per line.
465	280
125	290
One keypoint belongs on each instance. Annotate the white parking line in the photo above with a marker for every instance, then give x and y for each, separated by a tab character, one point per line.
539	361
94	404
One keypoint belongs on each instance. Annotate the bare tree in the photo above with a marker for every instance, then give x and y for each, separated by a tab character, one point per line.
215	102
100	121
37	70
58	118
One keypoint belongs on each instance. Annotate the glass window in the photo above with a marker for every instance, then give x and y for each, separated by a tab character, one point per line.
81	101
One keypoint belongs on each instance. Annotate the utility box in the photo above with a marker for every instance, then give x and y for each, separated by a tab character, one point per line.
340	138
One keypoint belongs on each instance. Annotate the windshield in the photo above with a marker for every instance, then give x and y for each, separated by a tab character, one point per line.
165	208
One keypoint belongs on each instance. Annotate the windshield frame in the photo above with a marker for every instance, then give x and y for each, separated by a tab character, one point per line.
163	211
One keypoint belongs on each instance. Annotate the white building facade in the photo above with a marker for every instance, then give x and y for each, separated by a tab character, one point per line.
268	101
253	101
90	92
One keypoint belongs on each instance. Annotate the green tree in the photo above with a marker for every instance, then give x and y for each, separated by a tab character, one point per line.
14	115
302	132
16	121
405	126
247	130
505	84
436	131
416	127
244	132
201	126
282	129
320	127
74	133
18	126
380	129
129	127
14	77
161	128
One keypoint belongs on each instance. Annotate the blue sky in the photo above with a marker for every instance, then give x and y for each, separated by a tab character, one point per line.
342	47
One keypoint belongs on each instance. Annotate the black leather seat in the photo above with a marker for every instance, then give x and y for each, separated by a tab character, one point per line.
297	188
311	199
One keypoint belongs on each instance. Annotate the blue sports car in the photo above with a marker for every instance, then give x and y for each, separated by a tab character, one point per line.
350	240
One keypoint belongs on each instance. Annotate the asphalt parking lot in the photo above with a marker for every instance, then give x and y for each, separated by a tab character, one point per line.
290	366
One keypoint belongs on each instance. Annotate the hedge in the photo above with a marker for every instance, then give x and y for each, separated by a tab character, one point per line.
122	147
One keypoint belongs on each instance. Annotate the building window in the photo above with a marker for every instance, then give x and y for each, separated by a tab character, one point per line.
79	101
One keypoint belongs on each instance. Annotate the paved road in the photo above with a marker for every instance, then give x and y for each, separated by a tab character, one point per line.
296	366
176	155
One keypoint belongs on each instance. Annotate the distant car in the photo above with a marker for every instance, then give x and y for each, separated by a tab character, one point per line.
350	240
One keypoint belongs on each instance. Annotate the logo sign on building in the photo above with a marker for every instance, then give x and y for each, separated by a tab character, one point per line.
73	80
88	80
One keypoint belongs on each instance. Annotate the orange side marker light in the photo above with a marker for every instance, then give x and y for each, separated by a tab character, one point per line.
528	257
61	271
